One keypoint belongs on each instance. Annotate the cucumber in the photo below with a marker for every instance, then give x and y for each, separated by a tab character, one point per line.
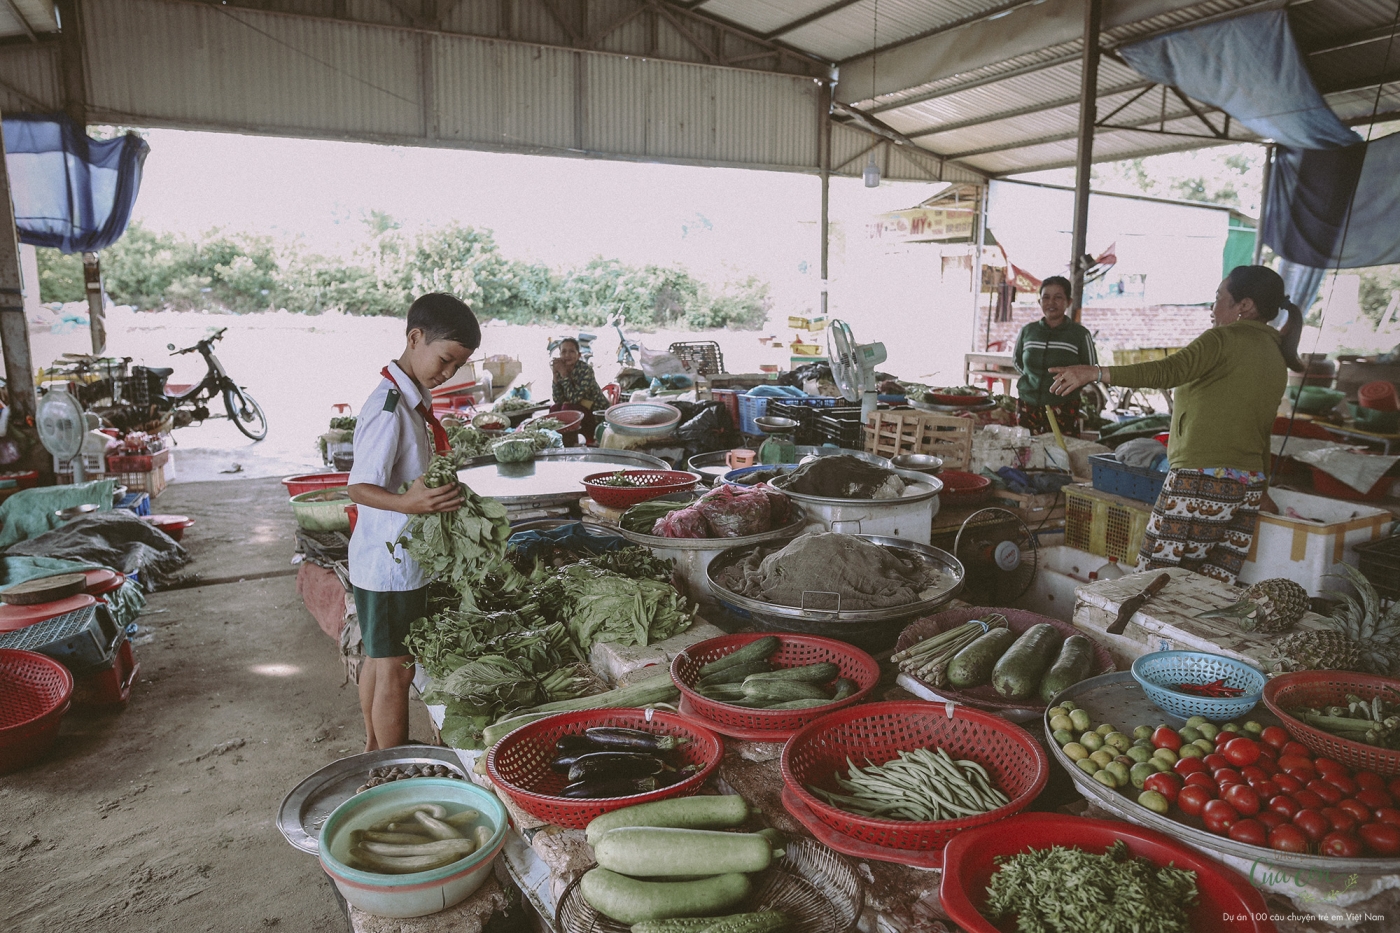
818	673
1018	673
844	687
722	691
1074	663
735	674
710	811
678	925
800	704
760	649
764	921
664	852
972	666
780	691
629	900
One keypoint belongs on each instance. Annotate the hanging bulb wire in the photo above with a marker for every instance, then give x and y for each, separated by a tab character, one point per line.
871	175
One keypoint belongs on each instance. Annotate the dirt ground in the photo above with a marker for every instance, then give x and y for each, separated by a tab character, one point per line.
160	816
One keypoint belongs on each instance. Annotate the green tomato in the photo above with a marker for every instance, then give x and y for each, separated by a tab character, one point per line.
1074	751
1062	738
1069	705
1161	764
1253	728
1118	740
1195	721
1080	719
1056	711
1166	754
1088	766
1141	772
1154	801
1138	753
1061	723
1142	733
1119	771
1107	779
1190	751
1188	734
1102	756
1092	741
1208	730
1205	745
1106	729
1230	727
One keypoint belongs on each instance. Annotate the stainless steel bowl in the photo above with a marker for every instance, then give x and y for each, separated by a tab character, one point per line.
919	463
774	424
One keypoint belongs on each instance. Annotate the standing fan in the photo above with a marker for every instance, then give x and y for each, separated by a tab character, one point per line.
62	428
999	555
853	366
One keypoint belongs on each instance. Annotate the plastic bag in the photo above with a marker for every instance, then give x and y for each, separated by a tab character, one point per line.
734	512
688	522
514	450
710	428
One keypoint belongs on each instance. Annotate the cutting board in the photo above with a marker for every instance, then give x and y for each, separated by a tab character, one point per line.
45	589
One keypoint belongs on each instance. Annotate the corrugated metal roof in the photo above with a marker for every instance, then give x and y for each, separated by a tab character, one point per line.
29	79
27	18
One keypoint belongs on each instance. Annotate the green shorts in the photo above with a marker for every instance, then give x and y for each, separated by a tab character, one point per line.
384	619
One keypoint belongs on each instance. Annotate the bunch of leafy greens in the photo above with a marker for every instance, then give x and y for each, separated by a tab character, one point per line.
602	605
467	441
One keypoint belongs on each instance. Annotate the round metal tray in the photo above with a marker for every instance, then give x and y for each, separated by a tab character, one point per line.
1118	699
932	487
554	477
817	889
925	554
713	465
306	808
935	407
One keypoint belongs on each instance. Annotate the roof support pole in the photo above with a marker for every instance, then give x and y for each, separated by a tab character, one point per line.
1088	93
70	58
824	160
14	329
1263	202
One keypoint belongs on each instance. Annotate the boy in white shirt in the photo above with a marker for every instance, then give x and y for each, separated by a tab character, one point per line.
396	436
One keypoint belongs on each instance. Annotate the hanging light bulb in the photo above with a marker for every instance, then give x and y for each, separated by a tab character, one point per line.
871	173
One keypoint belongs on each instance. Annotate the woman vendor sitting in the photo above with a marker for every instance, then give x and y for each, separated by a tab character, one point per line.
1228	382
576	388
1054	340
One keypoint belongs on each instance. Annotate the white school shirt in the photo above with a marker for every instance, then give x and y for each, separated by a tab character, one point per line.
393	446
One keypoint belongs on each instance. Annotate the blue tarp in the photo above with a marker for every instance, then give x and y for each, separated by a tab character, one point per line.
70	191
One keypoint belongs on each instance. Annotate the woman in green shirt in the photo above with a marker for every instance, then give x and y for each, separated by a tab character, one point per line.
576	389
1229	382
1054	340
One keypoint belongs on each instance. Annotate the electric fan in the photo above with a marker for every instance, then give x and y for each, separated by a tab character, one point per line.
62	428
999	556
853	366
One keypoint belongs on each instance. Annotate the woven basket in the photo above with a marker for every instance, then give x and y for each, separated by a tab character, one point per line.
519	763
1155	673
962	488
1328	688
793	651
877	732
651	484
35	691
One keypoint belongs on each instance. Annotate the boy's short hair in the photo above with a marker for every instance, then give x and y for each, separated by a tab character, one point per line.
444	317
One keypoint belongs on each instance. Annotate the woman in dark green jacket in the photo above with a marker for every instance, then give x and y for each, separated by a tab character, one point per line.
1054	340
1229	382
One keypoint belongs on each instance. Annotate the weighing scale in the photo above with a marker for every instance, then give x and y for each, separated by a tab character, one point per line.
780	446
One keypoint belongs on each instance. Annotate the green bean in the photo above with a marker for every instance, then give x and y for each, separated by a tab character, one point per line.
922	784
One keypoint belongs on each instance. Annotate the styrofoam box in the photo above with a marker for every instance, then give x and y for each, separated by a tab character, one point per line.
1061	569
1307	549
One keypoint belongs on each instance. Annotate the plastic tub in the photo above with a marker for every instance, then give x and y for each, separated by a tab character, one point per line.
420	893
1379	396
173	525
323	510
1307	549
311	482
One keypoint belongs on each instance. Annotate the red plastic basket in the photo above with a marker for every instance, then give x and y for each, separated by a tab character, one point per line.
651	483
1018	620
35	691
877	732
519	763
793	651
963	488
311	482
1326	688
1226	901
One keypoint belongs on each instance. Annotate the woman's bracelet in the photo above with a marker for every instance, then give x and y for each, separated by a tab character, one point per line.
1100	369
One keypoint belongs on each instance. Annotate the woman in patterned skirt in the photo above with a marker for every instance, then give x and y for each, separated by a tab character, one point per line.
1228	382
1054	340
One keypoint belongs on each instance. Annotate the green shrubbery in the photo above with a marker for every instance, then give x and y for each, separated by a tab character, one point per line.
243	272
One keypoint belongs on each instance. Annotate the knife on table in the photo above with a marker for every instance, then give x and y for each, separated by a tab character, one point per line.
1133	603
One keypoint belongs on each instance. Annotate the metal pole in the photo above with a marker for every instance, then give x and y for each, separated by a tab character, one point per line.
1088	115
1263	202
980	233
824	160
14	329
97	323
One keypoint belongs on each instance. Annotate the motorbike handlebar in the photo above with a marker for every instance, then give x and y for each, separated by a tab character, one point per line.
216	335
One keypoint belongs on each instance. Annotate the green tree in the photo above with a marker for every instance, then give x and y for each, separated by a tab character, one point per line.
60	276
1377	285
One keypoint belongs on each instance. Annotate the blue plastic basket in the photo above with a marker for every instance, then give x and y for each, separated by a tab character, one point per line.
750	408
1130	482
1157	671
138	502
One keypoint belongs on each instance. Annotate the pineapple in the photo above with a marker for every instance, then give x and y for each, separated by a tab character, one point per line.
1362	638
1268	606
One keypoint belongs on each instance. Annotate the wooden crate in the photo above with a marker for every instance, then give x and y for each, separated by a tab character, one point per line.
890	433
1104	524
1032	508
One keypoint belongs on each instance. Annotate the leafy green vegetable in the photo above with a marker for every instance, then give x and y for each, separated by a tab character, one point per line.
600	605
642	517
458	546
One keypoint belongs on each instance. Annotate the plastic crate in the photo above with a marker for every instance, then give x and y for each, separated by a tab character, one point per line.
137	463
152	482
805	411
704	355
1104	524
841	430
137	502
1122	480
1379	562
107	683
94	467
86	636
905	431
750	408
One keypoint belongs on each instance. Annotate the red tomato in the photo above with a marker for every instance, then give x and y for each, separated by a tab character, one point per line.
1271	819
1325	766
1219	816
1241	751
1251	833
1388	815
1215	761
1253	774
1327	792
1310	801
1185	766
1313	824
1192	800
1291	763
1394	787
1380	838
1166	737
1168	785
1266	765
1274	736
1227	776
1267	789
1295	748
1343	783
1359	810
1370	780
1340	819
1201	779
1375	799
1288	838
1287	783
1340	845
1243	798
1284	805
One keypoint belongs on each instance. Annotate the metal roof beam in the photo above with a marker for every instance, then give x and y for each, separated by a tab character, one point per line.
809	18
1031	68
1361	38
1074	134
23	23
1024	111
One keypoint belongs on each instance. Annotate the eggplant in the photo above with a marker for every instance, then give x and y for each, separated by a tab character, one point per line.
616	738
608	765
572	746
563	763
613	787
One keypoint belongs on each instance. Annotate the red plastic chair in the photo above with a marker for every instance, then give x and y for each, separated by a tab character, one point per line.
613	391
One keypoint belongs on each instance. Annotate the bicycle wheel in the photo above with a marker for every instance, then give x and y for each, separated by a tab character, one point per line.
245	413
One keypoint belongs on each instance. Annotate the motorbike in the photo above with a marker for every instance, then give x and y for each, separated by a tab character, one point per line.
585	344
192	405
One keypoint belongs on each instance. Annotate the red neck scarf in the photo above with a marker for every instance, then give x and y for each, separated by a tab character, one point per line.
440	443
